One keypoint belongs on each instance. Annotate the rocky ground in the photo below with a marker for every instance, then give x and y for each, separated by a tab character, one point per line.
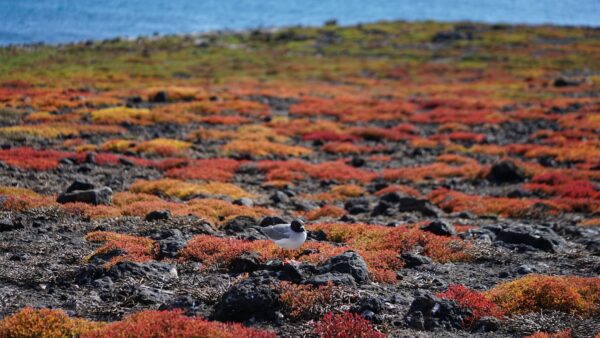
423	157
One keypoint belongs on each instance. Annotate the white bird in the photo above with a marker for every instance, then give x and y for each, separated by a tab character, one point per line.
287	236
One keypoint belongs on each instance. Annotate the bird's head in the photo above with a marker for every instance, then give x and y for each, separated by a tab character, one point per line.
297	225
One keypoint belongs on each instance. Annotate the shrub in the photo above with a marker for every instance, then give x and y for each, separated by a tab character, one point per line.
166	324
559	334
534	293
163	147
264	148
305	301
29	158
181	189
472	300
21	199
380	246
345	325
217	169
91	211
121	115
133	248
44	323
325	211
338	193
454	201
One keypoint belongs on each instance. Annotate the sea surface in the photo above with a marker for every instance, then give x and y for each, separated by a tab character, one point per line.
61	21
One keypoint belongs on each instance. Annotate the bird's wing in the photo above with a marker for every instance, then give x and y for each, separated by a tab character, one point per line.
277	232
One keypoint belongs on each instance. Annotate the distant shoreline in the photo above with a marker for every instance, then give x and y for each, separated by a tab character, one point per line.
220	32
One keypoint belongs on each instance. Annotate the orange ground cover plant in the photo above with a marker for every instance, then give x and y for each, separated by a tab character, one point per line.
166	324
345	325
534	293
217	169
295	170
29	158
325	211
380	245
560	334
21	199
46	323
454	201
134	248
305	301
472	300
180	189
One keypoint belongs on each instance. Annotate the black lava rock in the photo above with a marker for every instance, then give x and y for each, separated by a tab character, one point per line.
96	196
158	215
412	260
428	312
271	220
411	204
536	237
7	224
239	224
391	197
357	206
246	262
151	270
382	208
244	201
81	184
440	228
254	297
280	197
350	263
160	97
505	172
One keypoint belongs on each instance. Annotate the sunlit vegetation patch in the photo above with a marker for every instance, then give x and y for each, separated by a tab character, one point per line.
159	146
165	324
29	158
560	334
348	148
330	211
475	301
182	190
215	211
126	247
297	170
46	131
91	211
21	199
306	301
449	166
264	148
346	324
215	252
534	293
350	109
338	193
49	323
122	115
217	169
45	323
399	188
380	245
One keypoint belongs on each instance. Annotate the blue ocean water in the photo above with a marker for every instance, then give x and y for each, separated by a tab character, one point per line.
59	21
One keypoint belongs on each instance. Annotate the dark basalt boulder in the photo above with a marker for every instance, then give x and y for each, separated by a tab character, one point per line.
95	196
350	263
536	237
428	312
505	172
336	278
357	206
158	215
412	260
150	270
411	204
271	220
254	297
440	228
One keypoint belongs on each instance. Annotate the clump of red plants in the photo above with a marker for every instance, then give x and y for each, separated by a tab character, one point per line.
346	325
